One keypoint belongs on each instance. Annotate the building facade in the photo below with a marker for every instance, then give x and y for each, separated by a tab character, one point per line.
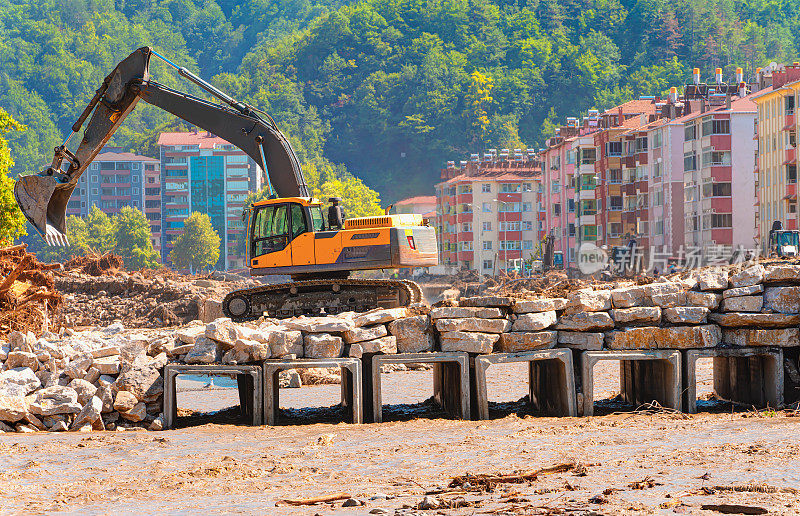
489	214
776	156
204	173
116	179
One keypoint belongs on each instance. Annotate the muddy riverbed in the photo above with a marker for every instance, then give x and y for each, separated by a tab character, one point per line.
627	462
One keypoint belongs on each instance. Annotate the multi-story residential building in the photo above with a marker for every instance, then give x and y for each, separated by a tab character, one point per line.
489	214
116	179
621	174
204	173
776	158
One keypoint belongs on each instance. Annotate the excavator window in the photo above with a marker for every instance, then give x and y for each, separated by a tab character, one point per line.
298	221
270	229
317	220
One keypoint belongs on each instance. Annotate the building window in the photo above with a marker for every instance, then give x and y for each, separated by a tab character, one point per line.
689	132
571	205
95	178
487	265
716	158
135	191
614	229
641	144
656	139
527	244
487	207
716	127
486	188
527	225
587	156
614	149
464	189
487	226
557	209
717	190
526	206
689	162
510	188
95	191
658	228
615	203
656	170
571	229
487	245
466	227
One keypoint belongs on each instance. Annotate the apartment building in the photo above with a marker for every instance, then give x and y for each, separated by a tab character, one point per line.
116	179
776	157
664	173
204	173
489	214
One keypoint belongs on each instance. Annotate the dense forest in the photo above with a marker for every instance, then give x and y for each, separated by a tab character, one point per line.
385	89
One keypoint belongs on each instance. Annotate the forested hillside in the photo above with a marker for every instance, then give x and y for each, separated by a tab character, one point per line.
388	88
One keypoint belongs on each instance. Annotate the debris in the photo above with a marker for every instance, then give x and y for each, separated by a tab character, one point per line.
489	481
317	499
645	483
95	264
27	296
727	508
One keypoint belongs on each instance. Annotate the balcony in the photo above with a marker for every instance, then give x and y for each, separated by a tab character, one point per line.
586	194
587	220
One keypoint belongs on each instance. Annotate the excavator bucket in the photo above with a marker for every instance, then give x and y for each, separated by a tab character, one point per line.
43	201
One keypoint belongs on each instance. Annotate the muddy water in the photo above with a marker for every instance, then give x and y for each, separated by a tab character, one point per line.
237	469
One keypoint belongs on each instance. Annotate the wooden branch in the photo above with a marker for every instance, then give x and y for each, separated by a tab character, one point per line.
317	499
11	278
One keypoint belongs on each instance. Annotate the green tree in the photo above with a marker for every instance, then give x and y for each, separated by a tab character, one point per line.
76	235
99	231
133	239
479	99
12	222
197	248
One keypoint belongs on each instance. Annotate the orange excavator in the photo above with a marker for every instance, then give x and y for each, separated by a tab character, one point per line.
288	233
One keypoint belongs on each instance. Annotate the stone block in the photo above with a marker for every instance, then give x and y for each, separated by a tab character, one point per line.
189	334
671	300
706	299
18	382
474	324
136	414
663	287
539	305
744	337
205	351
785	300
84	389
460	312
144	382
742	304
107	351
586	321
286	342
584	341
107	365
748	320
686	314
224	331
89	414
588	300
323	345
534	321
55	400
750	290
414	334
12	408
490	301
637	315
468	341
385	345
211	310
362	334
320	324
627	297
676	337
380	316
124	401
788	274
748	277
525	341
22	359
713	278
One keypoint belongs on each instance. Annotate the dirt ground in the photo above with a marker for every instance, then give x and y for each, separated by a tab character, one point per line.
629	463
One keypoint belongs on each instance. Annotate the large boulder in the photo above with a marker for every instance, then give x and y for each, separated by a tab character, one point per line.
414	334
319	324
748	277
713	278
785	337
383	345
286	342
539	305
670	300
584	341
785	300
189	334
19	341
106	365
525	341
749	290
84	389
468	341
535	321
490	301
379	316
686	314
637	315
89	414
55	400
627	297
12	408
204	351
459	312
676	337
706	299
586	321
788	274
22	359
144	382
18	382
366	333
588	300
323	345
124	401
749	320
224	331
742	304
474	324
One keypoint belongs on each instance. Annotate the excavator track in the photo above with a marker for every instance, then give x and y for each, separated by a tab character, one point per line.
319	297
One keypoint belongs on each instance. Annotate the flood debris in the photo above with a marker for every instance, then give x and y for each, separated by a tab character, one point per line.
489	481
729	508
317	499
28	299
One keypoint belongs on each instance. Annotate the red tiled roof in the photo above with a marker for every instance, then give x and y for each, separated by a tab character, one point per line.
205	140
483	178
420	199
122	156
632	106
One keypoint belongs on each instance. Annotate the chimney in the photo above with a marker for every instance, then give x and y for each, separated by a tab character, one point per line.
696	76
673	95
728	101
718	75
742	89
619	115
739	75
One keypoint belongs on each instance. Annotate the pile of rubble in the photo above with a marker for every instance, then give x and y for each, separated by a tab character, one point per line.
27	295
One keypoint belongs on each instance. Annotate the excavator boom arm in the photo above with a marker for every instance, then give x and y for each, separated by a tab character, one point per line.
43	197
